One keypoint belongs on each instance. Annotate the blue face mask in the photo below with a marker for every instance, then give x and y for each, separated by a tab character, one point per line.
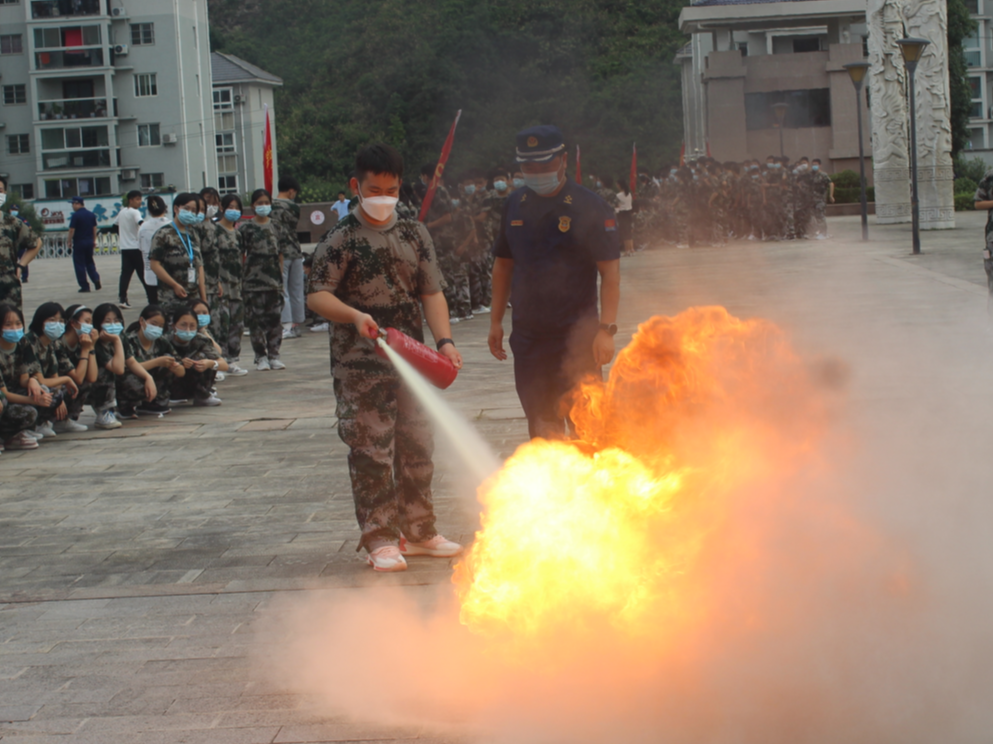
14	335
815	168
470	189
519	183
500	185
14	213
86	328
263	210
55	330
185	336
232	215
186	217
114	329
542	183
152	332
455	203
203	320
201	217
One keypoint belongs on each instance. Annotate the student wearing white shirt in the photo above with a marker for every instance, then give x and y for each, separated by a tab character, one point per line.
156	218
128	222
340	207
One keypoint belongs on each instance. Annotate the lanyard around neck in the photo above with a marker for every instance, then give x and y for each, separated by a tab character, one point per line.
187	241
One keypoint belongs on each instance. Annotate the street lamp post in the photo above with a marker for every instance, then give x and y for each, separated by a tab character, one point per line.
779	109
913	50
857	71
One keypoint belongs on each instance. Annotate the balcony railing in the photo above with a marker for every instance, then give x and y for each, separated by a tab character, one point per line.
74	108
65	8
76	159
63	58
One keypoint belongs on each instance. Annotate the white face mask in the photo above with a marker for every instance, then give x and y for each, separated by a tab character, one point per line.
378	208
211	211
3	199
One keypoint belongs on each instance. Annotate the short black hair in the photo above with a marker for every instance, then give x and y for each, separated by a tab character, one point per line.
230	199
6	309
341	193
45	311
101	312
183	199
156	206
258	194
379	159
132	194
816	160
288	183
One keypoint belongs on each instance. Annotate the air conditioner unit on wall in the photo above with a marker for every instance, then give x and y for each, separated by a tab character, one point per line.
237	99
129	174
169	139
121	49
117	12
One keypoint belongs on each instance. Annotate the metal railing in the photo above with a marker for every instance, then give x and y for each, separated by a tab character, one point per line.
58	59
56	245
73	108
65	8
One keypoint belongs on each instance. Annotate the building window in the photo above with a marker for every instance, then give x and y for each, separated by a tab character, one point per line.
148	135
743	48
18	144
227	164
227	184
11	44
972	6
223	99
26	190
66	37
142	34
10	2
152	180
74	137
807	108
15	94
225	142
806	44
976	140
971	47
146	84
223	109
64	188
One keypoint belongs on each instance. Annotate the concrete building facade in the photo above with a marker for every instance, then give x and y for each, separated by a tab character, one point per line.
744	57
98	97
978	48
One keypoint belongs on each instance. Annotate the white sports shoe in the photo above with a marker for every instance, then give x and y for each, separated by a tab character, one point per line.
212	400
235	371
387	558
107	420
219	377
33	433
262	365
320	328
70	425
46	429
276	364
21	441
437	547
480	310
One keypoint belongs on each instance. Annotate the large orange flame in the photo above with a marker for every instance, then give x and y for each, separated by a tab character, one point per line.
615	531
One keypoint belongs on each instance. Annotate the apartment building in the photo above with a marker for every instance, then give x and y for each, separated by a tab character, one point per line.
978	48
98	97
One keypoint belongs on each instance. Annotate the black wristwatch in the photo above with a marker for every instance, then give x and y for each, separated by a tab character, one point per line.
443	341
611	329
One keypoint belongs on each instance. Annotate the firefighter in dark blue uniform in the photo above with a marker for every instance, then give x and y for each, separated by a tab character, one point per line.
555	238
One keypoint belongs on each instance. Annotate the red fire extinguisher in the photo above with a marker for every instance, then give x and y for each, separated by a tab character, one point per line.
434	366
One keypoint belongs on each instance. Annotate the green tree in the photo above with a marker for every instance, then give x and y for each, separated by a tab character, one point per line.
960	25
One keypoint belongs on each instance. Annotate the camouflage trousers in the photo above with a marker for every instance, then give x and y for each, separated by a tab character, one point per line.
481	281
15	418
46	413
220	320
389	460
131	388
801	222
456	273
75	405
231	314
10	290
817	218
194	385
103	393
262	315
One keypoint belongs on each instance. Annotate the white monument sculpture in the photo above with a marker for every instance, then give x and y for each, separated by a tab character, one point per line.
889	20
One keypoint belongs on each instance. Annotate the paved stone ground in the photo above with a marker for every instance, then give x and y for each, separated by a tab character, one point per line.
136	564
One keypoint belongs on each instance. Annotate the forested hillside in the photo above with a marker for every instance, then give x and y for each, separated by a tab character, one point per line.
397	70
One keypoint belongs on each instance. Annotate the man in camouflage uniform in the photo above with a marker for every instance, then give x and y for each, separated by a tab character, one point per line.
775	188
169	258
372	270
262	288
821	192
15	236
286	216
447	228
229	322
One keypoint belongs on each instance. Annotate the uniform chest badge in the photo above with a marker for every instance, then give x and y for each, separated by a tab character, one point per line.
568	199
564	224
517	223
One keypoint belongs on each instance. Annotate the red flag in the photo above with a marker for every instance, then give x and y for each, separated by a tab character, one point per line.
633	179
439	169
708	148
579	168
267	154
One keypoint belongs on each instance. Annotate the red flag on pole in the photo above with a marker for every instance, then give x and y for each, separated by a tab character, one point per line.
633	180
439	169
579	168
267	154
708	148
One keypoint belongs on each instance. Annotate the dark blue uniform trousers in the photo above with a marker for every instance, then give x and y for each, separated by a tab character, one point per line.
82	261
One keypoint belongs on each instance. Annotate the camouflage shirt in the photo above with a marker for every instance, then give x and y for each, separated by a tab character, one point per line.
105	352
169	250
199	347
985	193
382	271
16	363
286	215
160	347
206	237
53	357
262	252
818	186
231	257
15	236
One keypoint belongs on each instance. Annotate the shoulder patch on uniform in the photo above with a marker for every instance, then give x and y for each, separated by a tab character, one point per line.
517	223
568	199
564	224
610	225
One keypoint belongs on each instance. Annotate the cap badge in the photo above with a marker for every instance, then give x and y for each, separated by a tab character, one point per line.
532	141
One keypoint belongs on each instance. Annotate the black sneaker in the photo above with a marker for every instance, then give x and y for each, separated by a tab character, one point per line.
98	285
84	289
152	409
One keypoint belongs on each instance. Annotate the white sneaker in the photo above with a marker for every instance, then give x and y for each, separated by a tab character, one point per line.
387	558
219	377
70	425
466	317
21	441
46	430
276	364
437	547
262	365
107	420
480	310
235	371
320	328
246	332
287	333
453	321
178	401
213	400
33	433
